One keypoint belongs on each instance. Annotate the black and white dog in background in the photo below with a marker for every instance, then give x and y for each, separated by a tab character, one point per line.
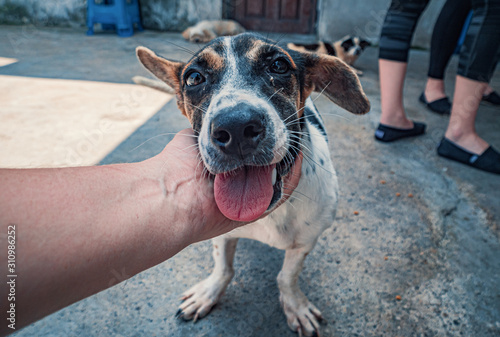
347	49
247	100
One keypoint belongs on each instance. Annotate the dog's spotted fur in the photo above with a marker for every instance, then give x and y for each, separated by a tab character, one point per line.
250	73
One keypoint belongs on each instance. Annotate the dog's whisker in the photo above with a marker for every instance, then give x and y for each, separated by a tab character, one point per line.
294	114
292	196
299	139
298	120
279	39
287	158
295	191
200	47
297	111
323	113
289	197
277	91
190	147
309	158
196	107
160	135
187	50
302	146
336	115
299	134
289	202
298	149
322	91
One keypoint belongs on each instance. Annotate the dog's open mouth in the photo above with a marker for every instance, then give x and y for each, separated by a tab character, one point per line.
246	193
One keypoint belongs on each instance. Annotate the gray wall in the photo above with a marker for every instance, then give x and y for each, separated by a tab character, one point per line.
177	15
336	18
172	15
69	13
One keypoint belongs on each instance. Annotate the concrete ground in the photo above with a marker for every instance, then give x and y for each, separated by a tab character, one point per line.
436	245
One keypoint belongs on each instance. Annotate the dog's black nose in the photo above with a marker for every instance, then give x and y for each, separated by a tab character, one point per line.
238	131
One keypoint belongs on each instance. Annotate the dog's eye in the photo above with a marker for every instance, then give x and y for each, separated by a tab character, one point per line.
280	66
194	78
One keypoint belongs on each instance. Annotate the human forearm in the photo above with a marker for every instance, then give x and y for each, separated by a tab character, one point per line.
76	228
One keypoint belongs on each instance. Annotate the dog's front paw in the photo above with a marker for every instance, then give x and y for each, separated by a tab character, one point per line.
199	300
301	315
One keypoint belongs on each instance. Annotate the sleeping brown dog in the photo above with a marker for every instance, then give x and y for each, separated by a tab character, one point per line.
206	31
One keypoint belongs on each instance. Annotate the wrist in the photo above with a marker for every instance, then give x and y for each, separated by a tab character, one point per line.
187	194
159	209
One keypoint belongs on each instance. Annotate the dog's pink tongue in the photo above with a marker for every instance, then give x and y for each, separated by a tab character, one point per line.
244	194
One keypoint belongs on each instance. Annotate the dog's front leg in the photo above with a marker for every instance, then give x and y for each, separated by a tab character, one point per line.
302	316
199	300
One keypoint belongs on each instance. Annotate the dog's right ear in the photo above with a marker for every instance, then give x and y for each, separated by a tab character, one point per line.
336	80
167	71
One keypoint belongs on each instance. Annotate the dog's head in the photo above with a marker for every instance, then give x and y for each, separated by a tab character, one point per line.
353	45
244	97
198	35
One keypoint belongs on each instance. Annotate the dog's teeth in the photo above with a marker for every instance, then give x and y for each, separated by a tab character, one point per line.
275	175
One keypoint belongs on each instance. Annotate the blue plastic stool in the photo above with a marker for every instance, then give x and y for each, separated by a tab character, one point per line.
114	14
461	39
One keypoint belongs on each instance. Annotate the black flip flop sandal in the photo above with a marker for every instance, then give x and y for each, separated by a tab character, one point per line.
488	161
385	133
492	98
441	106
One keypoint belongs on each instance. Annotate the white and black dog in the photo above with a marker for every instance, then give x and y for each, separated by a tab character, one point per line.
347	49
248	102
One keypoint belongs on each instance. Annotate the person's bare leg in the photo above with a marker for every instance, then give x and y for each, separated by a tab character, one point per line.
434	89
461	127
392	76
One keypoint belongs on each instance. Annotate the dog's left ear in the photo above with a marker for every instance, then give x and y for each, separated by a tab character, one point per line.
167	71
334	78
347	43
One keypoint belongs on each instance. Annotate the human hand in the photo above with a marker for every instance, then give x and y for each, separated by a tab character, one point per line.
190	188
